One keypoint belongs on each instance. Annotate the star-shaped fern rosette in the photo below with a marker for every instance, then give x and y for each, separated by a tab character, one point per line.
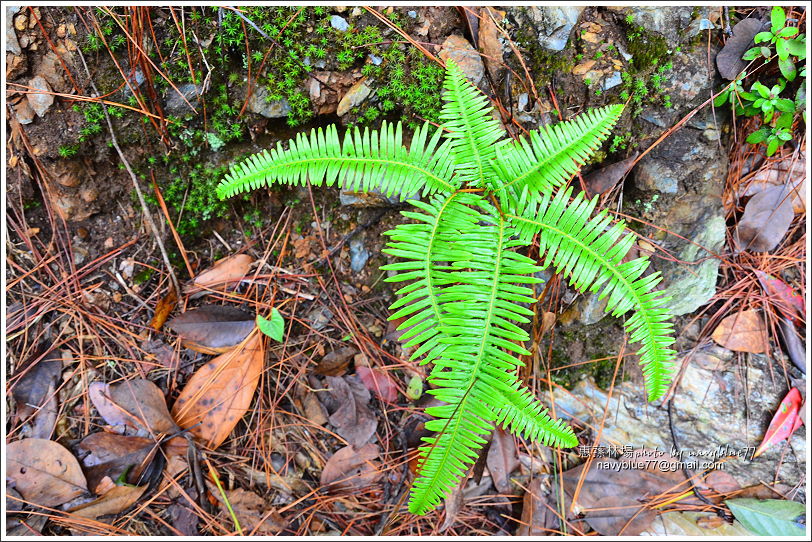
467	290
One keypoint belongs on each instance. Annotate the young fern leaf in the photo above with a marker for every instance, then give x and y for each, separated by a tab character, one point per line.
466	294
589	252
554	153
470	126
365	161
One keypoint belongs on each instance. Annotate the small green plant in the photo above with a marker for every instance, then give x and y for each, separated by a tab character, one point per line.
68	151
778	112
467	288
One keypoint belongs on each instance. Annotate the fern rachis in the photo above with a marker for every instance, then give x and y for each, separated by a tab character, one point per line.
466	291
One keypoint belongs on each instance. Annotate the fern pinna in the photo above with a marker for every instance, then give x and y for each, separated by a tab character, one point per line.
467	289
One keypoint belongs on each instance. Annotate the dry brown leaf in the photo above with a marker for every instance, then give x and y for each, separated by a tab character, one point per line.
729	60
489	42
604	179
44	472
537	518
502	460
766	219
162	310
353	420
351	468
253	513
213	329
613	493
379	382
114	501
314	411
790	171
220	392
34	388
742	332
135	407
111	455
224	271
336	362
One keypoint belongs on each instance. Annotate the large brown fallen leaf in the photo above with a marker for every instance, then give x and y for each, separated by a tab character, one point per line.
353	420
729	60
351	468
502	460
766	219
134	407
220	392
213	329
789	172
743	332
114	501
111	455
44	472
614	493
223	272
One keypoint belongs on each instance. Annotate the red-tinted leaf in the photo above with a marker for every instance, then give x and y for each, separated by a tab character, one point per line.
785	421
379	382
783	296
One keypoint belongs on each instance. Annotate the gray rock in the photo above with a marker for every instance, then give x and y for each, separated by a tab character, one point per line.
672	23
459	50
552	24
358	255
719	405
12	45
259	104
612	81
40	101
339	23
176	102
354	97
23	111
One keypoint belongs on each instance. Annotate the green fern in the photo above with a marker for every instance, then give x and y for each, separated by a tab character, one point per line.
467	288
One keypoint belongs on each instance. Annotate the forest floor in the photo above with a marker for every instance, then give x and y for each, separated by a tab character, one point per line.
132	291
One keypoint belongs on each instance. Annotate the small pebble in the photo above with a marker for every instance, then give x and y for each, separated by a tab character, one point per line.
339	23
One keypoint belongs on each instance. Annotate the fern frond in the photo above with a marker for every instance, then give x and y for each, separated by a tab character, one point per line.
523	415
462	310
470	126
554	153
366	160
589	252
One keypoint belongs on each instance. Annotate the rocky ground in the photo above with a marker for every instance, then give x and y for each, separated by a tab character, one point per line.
190	91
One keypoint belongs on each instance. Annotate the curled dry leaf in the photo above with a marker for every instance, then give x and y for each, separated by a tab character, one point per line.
502	460
44	472
353	420
767	217
220	392
212	329
743	332
604	179
253	513
133	407
115	501
223	272
111	455
379	382
36	385
162	310
351	468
